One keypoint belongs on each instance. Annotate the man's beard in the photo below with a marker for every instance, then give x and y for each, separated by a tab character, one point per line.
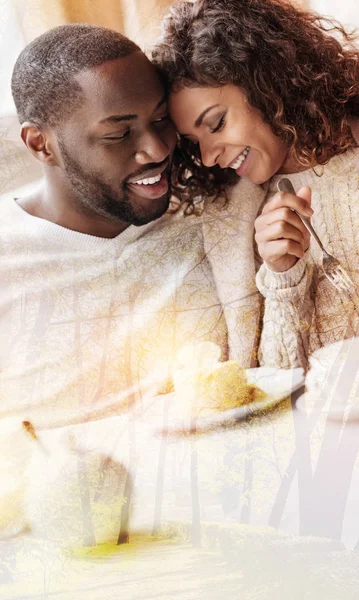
94	197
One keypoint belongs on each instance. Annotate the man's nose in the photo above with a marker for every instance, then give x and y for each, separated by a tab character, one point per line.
153	149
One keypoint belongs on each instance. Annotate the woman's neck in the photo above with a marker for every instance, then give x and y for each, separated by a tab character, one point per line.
292	165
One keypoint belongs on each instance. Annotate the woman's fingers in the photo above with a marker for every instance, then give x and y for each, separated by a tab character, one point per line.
276	251
281	236
285	200
280	215
282	229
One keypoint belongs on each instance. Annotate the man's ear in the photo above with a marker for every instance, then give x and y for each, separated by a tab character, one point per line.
38	141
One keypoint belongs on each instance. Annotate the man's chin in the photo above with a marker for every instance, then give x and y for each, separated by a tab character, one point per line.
134	211
159	210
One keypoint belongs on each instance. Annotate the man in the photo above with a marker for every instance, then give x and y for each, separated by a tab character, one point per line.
100	290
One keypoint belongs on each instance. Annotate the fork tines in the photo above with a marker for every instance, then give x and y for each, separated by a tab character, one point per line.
340	279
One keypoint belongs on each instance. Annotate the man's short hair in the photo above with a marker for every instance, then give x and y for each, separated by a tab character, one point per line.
43	82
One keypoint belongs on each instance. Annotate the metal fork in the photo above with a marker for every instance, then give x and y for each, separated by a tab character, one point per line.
332	268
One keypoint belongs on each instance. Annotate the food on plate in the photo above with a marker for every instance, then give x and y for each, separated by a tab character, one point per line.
203	383
225	386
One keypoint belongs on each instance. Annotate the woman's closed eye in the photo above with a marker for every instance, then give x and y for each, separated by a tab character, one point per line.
219	125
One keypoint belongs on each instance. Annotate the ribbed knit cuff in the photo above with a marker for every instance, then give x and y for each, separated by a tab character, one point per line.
271	281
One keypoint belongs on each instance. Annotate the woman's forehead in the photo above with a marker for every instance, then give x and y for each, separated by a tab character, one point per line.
187	104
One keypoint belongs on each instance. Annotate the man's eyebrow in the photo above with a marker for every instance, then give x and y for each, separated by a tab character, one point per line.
119	118
198	122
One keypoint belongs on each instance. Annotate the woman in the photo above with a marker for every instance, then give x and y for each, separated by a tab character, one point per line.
264	90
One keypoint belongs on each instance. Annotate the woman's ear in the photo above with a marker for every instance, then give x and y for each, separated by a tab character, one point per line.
38	141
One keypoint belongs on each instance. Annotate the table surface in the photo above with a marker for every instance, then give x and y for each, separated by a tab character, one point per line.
252	507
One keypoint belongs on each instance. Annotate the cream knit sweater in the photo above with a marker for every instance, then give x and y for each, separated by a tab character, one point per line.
303	311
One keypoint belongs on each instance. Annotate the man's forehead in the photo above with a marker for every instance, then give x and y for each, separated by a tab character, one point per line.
121	82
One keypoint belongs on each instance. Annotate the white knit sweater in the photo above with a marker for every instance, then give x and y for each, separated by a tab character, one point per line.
303	311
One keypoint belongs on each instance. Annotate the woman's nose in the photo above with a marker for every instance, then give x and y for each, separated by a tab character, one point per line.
209	156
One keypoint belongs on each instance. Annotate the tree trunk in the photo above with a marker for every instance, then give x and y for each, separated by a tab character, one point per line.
160	473
124	535
196	512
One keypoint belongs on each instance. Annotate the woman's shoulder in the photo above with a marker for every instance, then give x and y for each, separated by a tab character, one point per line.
343	165
242	203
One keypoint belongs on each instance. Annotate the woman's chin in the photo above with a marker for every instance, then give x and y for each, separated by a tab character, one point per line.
258	178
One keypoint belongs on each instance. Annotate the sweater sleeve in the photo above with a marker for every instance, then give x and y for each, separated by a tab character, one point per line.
229	244
288	313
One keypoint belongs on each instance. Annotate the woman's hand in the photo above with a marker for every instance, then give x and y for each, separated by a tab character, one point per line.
280	234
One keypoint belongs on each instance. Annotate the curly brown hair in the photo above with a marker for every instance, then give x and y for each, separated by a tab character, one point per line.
300	70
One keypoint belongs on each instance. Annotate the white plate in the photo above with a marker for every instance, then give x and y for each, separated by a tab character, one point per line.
277	384
334	411
332	382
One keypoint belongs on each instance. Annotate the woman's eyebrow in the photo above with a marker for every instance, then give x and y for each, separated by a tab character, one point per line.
198	121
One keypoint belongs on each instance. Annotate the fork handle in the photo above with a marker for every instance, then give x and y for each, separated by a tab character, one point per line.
285	185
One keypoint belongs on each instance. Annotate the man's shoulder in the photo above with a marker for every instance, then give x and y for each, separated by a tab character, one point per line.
6	203
8	212
174	223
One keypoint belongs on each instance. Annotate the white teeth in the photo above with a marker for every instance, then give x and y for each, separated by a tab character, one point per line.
241	158
149	180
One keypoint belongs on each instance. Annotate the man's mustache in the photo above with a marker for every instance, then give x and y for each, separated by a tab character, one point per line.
149	167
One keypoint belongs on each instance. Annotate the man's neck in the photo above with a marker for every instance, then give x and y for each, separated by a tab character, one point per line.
45	203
